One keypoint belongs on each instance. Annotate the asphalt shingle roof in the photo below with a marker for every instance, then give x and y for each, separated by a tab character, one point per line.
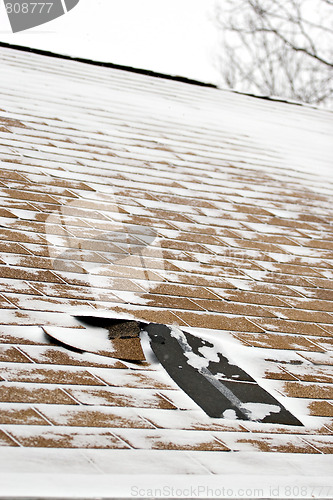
125	195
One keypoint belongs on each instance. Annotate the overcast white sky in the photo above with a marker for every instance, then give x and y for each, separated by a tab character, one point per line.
170	36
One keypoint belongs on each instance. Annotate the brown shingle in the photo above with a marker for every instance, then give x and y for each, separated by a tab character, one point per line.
324	343
205	239
278	278
51	437
6	303
194	279
10	246
268	443
5	440
171	440
12	122
189	420
32	393
316	427
49	376
39	303
299	270
10	203
151	315
223	306
35	317
178	290
16	286
321	443
135	378
73	292
312	304
203	229
228	260
277	341
266	288
313	391
19	194
218	321
20	415
42	263
320	408
301	315
20	273
49	226
321	282
250	297
163	301
63	356
288	326
256	245
319	358
96	282
328	328
79	416
185	246
277	372
22	335
11	354
137	398
311	373
118	270
20	236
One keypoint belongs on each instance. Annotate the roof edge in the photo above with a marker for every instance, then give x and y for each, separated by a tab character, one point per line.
155	74
130	69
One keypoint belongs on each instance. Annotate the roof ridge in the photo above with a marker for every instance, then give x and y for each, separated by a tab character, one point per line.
122	67
154	74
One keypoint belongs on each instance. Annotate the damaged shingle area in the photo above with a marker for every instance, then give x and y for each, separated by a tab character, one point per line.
124	330
93	335
118	329
219	387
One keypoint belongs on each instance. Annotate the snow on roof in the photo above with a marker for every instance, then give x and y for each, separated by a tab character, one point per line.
130	196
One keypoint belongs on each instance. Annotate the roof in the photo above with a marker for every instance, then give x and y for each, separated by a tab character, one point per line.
135	197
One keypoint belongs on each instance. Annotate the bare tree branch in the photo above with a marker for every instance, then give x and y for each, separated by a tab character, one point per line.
278	47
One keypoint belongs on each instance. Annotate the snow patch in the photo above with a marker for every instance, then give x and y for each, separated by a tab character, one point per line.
230	414
258	411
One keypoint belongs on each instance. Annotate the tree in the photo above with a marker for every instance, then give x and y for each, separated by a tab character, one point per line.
278	48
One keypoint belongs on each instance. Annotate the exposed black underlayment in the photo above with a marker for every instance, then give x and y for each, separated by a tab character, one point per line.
221	388
216	386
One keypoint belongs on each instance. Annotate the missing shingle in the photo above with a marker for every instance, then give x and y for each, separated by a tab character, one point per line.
220	388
